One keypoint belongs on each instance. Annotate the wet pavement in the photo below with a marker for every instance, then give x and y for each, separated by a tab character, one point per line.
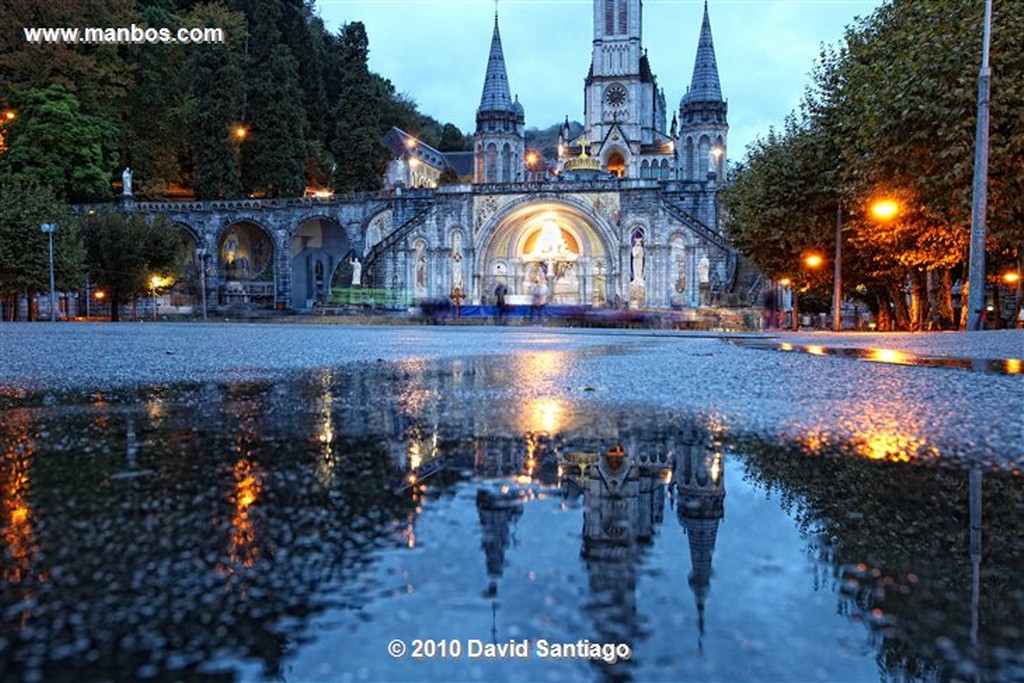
273	503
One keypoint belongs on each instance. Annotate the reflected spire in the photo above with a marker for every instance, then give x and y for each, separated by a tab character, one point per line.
700	508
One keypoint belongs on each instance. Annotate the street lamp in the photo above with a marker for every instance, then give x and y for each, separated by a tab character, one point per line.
49	229
813	261
979	204
201	253
883	209
154	282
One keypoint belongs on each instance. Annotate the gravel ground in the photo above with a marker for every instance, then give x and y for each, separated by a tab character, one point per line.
881	411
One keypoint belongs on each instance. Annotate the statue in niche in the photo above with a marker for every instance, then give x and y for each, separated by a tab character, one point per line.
126	182
704	270
357	272
638	259
420	278
457	274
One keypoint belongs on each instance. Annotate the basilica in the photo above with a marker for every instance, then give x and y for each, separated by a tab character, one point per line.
628	215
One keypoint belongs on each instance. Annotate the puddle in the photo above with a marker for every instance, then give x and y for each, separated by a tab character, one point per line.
296	530
1008	366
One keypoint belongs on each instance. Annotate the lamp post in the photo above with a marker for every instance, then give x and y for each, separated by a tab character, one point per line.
49	229
979	205
837	285
201	253
154	282
884	210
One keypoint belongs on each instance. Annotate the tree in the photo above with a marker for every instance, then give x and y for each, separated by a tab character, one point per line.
123	251
453	140
214	104
24	249
274	152
54	144
358	127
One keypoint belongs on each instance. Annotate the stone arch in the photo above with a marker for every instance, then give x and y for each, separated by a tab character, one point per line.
507	236
375	227
663	170
319	245
615	161
645	169
247	262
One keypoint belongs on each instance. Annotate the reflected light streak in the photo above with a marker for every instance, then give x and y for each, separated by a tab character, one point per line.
815	350
16	518
1015	366
888	356
544	415
248	485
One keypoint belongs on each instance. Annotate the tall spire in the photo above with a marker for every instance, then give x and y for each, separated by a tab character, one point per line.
705	87
496	95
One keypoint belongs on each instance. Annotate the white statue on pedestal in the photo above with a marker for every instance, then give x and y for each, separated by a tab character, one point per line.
126	182
357	272
704	270
638	259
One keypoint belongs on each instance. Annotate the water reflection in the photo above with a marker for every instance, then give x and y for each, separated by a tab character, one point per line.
361	506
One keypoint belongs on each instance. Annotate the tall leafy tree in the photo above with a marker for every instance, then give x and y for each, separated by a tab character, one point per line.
24	248
274	152
213	106
123	251
357	112
54	144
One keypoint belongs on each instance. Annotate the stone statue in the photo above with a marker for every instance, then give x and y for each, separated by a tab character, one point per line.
638	259
126	182
457	275
357	272
704	270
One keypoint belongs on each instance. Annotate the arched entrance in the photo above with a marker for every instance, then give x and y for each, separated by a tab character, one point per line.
245	257
182	296
552	248
318	247
617	164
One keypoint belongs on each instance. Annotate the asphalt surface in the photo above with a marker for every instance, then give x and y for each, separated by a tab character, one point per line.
898	412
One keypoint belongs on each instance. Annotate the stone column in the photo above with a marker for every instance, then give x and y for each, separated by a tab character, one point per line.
283	270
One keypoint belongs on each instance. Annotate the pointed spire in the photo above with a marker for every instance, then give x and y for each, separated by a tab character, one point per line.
705	87
496	95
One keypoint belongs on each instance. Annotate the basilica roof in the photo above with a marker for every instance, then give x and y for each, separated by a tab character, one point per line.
704	87
496	96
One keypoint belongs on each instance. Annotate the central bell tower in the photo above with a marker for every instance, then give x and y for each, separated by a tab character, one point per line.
613	94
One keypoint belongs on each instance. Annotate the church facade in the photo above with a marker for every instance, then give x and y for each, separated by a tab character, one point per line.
629	217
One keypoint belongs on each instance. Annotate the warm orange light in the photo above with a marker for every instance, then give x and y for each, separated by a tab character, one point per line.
815	350
785	282
411	143
532	158
1011	277
100	294
241	132
813	261
885	209
9	115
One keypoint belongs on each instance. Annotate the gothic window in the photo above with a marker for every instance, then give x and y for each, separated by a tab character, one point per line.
609	17
491	164
645	170
623	16
664	169
690	170
506	164
703	157
617	165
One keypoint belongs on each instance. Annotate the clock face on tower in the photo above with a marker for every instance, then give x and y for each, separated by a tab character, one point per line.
615	95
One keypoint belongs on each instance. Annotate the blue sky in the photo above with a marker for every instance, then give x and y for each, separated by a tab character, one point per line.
436	52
